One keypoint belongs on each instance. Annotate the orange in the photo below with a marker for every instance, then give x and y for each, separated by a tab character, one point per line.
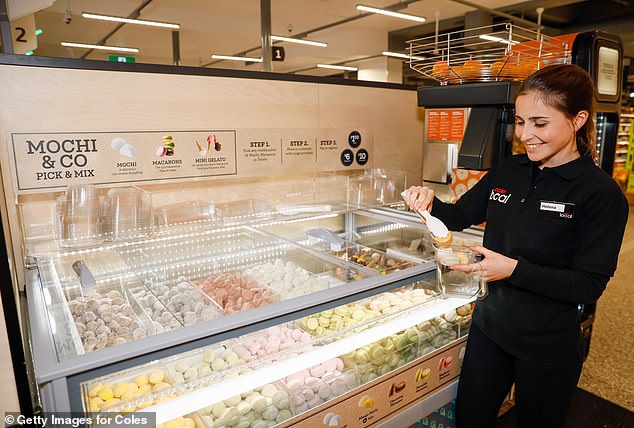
473	65
532	65
498	65
441	68
458	70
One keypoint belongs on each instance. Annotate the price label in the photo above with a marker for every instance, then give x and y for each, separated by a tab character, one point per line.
362	157
354	139
347	157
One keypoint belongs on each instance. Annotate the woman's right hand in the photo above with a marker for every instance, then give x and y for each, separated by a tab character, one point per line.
419	198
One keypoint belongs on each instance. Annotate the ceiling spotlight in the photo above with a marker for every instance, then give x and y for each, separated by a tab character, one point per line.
400	55
100	47
68	16
129	20
299	41
390	13
237	58
337	67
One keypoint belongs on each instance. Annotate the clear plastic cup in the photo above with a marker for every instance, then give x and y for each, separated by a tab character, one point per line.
78	215
456	283
128	213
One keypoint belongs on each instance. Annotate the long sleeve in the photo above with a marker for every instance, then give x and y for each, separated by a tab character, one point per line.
570	286
470	209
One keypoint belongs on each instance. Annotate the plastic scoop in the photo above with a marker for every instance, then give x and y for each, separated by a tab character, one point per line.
436	227
335	241
86	278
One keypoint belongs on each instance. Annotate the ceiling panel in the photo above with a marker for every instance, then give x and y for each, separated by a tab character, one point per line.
230	26
233	26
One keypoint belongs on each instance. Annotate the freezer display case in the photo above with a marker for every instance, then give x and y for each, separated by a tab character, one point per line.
180	248
255	316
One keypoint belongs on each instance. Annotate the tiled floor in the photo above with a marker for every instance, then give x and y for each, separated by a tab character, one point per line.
610	364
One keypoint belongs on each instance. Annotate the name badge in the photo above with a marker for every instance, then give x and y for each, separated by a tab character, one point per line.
556	209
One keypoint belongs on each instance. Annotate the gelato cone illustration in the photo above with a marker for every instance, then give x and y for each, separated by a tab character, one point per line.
201	151
213	140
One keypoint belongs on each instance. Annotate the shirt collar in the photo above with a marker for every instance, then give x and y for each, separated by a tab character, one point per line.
569	170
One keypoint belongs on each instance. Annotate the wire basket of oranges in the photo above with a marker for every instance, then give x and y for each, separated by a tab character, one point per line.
489	53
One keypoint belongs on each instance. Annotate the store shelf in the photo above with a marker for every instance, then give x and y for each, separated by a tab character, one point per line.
272	372
621	167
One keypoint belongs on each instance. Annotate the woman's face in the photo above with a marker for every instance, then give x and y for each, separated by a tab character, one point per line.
547	134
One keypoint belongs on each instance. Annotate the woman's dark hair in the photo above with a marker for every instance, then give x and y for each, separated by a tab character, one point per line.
569	89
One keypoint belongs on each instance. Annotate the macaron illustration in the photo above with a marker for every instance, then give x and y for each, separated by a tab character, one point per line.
167	148
422	374
168	144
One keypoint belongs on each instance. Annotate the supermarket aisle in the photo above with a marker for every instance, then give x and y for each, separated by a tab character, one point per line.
610	363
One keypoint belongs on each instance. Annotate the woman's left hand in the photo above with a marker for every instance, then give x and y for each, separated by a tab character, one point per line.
492	267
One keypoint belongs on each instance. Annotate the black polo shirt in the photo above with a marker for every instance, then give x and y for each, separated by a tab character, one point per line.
564	225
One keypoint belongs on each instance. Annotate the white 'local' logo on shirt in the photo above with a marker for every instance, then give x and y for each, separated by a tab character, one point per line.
499	195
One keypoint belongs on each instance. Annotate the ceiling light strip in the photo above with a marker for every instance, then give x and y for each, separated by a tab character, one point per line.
237	58
498	39
299	41
401	55
130	20
100	47
337	67
390	13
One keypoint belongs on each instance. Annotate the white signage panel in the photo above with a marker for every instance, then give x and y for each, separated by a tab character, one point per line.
51	161
608	71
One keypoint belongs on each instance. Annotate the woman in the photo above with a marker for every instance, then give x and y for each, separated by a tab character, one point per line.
554	226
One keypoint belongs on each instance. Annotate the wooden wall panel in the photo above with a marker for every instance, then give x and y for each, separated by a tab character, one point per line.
37	99
393	117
